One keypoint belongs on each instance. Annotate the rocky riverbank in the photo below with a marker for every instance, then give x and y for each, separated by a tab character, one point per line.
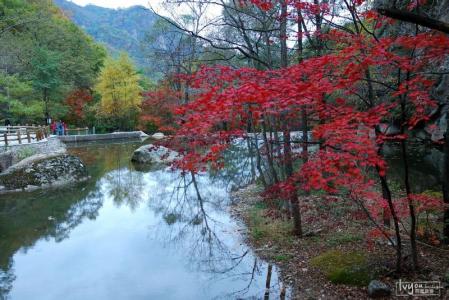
333	260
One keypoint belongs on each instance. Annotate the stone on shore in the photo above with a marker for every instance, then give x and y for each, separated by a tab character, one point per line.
158	136
42	171
377	289
152	154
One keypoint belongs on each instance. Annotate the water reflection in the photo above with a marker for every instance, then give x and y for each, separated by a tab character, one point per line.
125	188
127	234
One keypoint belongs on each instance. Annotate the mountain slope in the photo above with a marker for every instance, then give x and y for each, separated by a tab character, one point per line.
118	29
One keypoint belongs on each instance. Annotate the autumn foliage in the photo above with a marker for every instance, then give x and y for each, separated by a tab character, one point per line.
77	101
157	109
348	94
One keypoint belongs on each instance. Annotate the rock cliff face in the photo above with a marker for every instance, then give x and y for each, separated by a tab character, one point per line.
41	172
438	10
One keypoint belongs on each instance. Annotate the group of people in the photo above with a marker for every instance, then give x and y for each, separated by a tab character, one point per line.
58	128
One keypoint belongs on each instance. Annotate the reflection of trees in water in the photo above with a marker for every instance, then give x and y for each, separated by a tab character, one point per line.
125	187
49	214
87	208
7	278
192	207
239	168
26	218
103	157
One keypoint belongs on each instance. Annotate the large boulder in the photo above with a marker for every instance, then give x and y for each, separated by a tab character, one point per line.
152	154
41	171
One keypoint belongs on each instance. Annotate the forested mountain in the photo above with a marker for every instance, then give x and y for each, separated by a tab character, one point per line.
119	29
43	58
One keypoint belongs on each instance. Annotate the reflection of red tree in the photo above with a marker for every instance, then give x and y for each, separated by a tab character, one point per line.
156	109
76	102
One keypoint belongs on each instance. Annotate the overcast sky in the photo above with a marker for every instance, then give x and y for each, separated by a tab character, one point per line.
213	10
117	3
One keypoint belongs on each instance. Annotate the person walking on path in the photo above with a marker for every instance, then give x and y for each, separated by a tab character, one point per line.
59	128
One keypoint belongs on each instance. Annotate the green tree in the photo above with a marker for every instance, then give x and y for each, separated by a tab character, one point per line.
43	53
120	90
46	77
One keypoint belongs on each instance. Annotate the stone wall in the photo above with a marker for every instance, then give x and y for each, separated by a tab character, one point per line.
102	137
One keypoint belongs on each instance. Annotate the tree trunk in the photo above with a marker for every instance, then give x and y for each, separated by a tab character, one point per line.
446	183
268	150
408	187
386	193
293	195
288	160
47	114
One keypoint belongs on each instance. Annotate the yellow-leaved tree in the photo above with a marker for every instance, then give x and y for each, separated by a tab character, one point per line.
120	92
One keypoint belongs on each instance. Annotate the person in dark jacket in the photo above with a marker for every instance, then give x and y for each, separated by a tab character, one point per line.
59	128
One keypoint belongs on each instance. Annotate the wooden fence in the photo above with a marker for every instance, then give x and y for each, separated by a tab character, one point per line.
13	135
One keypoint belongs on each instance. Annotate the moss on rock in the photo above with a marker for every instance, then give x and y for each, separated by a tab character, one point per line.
50	171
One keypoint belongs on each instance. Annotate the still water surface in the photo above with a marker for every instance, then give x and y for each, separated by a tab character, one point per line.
128	234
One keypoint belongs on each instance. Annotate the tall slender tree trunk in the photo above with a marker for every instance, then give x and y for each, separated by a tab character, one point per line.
410	205
318	26
446	183
293	194
47	113
304	115
288	160
258	156
259	161
386	194
268	150
408	191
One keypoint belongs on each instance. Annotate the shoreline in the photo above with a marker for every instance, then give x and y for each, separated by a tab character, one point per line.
296	258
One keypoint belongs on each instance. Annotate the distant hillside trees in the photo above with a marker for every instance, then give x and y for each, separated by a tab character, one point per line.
43	58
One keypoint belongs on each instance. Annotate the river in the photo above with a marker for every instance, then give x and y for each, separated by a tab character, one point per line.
128	234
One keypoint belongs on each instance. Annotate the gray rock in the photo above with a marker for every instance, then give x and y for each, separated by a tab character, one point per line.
158	136
6	160
152	154
42	172
377	289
